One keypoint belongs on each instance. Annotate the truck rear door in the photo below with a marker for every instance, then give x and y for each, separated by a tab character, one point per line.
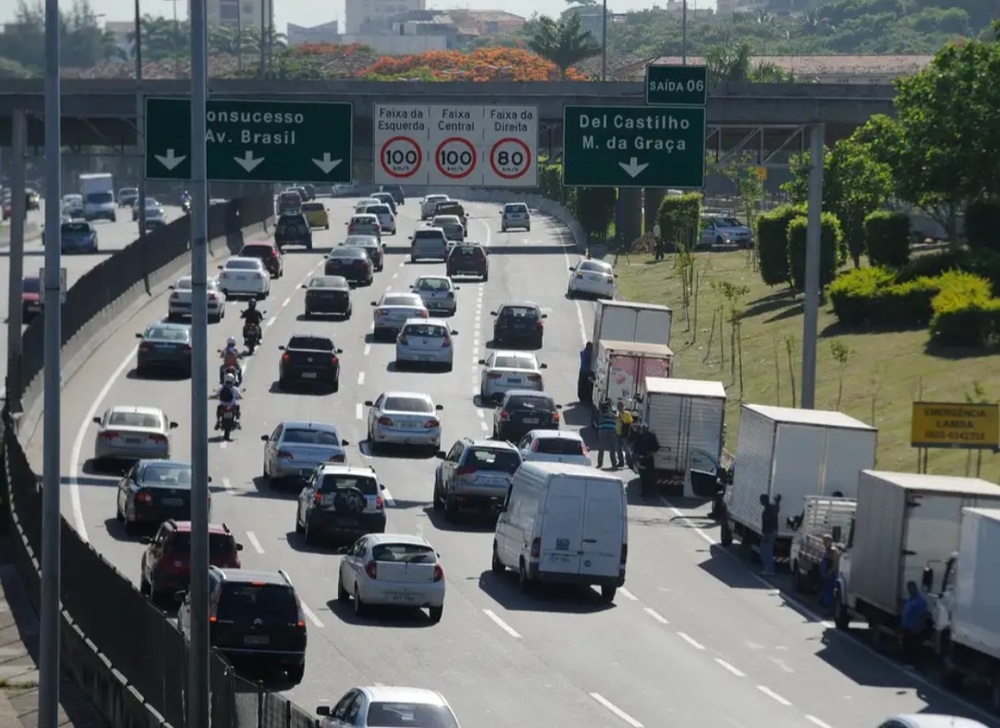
603	528
798	455
930	534
562	527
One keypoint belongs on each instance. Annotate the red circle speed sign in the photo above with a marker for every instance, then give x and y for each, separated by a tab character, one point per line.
510	158
400	157
455	157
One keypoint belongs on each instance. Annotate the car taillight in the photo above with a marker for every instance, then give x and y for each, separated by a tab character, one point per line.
438	572
159	439
624	556
494	375
555	416
333	360
609	279
446	343
175	295
403	340
212	297
371	568
336	458
186	347
360	263
465	471
379	503
451	294
145	346
504	415
534	377
318	499
431	423
286	357
579	275
144	497
538	324
379	312
108	435
424	314
284	455
536	547
534	446
385	421
258	276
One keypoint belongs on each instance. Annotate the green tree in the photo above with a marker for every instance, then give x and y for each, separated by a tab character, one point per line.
563	42
734	62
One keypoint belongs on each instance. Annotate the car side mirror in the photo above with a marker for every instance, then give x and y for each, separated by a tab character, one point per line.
558	406
97	420
457	288
543	366
145	540
239	547
343	550
219	267
374	303
493	313
482	362
281	348
345	443
615	275
454	333
571	269
368	403
340	351
304	285
323	709
173	425
180	596
209	478
171	287
440	454
545	315
138	336
409	237
439	407
264	438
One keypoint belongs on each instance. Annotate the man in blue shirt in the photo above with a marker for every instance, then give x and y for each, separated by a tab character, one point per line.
607	421
584	387
914	623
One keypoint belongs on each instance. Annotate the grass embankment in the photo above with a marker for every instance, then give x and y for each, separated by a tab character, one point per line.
883	372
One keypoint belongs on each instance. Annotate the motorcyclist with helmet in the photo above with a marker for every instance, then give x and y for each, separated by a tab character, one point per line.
252	317
229	394
186	201
231	358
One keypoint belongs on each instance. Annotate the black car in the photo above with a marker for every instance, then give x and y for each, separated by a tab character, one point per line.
293	229
518	324
371	246
397	193
340	503
153	491
328	295
310	360
468	259
256	619
351	263
524	410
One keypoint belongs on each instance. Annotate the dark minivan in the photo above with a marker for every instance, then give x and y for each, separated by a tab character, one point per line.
293	229
396	191
518	324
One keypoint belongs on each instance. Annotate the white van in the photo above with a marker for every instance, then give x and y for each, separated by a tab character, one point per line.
564	523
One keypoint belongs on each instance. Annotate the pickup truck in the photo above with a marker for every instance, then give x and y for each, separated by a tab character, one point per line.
309	360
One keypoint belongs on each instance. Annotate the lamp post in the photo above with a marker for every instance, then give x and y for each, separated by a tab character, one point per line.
140	119
604	42
684	32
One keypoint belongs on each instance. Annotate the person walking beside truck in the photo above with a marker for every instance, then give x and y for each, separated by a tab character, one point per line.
643	449
768	531
914	623
829	565
584	388
606	421
623	434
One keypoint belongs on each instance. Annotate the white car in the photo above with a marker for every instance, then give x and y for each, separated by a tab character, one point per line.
179	305
385	217
385	705
404	418
592	278
392	569
360	205
437	293
132	433
506	370
244	277
72	205
421	341
429	204
554	446
395	309
515	215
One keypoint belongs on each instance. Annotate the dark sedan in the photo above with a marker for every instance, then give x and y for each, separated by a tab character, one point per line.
524	410
164	347
328	295
351	263
309	360
371	246
518	323
154	491
31	298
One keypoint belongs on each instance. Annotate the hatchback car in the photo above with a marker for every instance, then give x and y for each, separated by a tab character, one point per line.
165	567
127	196
360	205
554	446
428	243
352	264
468	260
429	204
293	229
506	370
152	492
719	231
72	205
474	474
524	410
425	342
395	570
515	215
77	236
164	347
31	298
453	228
256	617
452	207
372	247
591	278
289	201
155	215
385	217
297	447
267	252
245	277
403	418
395	309
326	295
179	303
316	215
437	293
518	323
340	503
382	705
363	224
132	433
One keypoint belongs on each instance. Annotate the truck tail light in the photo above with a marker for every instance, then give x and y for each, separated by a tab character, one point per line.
536	548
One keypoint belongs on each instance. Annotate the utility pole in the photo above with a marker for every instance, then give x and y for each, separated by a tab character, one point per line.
140	119
18	211
810	306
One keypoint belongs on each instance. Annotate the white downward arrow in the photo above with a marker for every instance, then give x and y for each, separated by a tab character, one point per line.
326	164
250	164
633	168
169	160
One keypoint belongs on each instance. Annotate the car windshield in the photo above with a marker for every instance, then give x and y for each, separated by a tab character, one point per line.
417	405
256	251
328	282
134	419
728	222
310	343
469	250
184	284
426	330
409	553
595	266
364	220
514	361
73	199
75	228
559	446
410	715
402	300
243	265
31	285
166	333
361	241
167	474
349	253
100	198
518	312
152	204
290	197
219	544
433	284
436	235
304	436
246	602
332	482
524	401
506	461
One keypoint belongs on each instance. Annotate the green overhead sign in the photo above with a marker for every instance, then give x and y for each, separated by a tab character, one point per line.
676	85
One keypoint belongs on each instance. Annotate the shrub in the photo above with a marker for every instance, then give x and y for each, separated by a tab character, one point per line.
887	237
986	264
772	244
832	252
982	225
872	296
680	219
594	209
966	323
934	264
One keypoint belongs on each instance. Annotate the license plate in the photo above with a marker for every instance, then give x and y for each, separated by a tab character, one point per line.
531	420
407	425
425	358
397	597
559	558
309	375
514	380
242	278
493	483
173	501
256	640
164	346
133	440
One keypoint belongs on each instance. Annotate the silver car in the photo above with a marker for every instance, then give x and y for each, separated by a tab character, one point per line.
429	204
452	225
395	309
179	304
437	293
506	370
385	217
382	705
132	433
554	446
404	418
425	342
297	447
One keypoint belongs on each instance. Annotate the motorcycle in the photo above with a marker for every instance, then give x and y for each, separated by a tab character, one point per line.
235	371
251	337
186	207
230	421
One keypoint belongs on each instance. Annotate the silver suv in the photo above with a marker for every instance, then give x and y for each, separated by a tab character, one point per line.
428	243
474	474
515	215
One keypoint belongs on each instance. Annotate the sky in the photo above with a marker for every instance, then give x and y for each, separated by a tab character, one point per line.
307	12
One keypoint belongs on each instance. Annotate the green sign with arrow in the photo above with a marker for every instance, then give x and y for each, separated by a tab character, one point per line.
253	141
634	146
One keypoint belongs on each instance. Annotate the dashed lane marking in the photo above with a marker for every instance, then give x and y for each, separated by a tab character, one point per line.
222	445
656	615
395	275
484	426
286	302
817	722
361	378
773	695
726	666
387	497
358	413
270	322
480	413
628	595
501	624
388	288
252	538
310	616
227	484
368	350
691	640
616	710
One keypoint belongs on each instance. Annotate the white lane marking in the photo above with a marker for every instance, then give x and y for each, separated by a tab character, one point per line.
74	484
501	624
627	594
357	411
395	275
227	485
656	615
475	343
379	685
252	538
402	263
817	722
484	426
286	302
726	666
361	378
368	350
475	362
388	288
270	322
616	710
773	695
222	444
576	303
387	497
310	616
477	326
691	640
371	327
480	413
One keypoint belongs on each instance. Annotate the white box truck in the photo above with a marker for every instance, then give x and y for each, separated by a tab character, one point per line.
620	368
98	192
648	323
904	523
688	417
793	453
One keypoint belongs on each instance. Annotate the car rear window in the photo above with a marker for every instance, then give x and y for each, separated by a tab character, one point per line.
410	553
219	544
596	267
349	253
402	300
379	210
328	282
362	241
312	207
290	198
164	333
167	474
243	265
310	343
437	235
292	226
412	715
516	208
256	251
364	220
518	312
482	458
417	405
472	251
559	446
134	419
75	227
336	481
426	330
514	362
245	602
433	284
303	436
535	402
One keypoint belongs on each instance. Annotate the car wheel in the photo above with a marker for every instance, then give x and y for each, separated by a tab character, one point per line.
496	565
299	528
360	608
436	613
486	277
437	501
522	578
145	588
348	314
308	536
503	228
528	229
130	527
450	508
296	673
608	593
342	594
307	313
335	385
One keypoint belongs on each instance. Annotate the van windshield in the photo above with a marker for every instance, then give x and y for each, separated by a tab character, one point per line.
100	198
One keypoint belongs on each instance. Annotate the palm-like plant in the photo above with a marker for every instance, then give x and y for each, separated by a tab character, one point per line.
563	42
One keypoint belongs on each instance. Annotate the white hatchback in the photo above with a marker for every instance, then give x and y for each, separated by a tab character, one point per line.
423	341
244	277
591	278
385	217
429	204
437	293
515	215
179	305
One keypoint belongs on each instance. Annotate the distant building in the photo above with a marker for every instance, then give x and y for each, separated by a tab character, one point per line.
121	31
239	14
323	33
859	69
487	22
363	15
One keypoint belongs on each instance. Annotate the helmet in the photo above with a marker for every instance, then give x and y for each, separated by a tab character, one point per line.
252	305
230	379
231	341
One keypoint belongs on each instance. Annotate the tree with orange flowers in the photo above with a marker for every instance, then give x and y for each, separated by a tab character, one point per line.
482	64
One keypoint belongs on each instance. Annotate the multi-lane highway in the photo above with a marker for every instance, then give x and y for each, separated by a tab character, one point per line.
693	639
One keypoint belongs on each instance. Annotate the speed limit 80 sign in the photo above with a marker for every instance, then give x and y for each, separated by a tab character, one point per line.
455	145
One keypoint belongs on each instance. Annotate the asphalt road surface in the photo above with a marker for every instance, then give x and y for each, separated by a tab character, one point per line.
694	639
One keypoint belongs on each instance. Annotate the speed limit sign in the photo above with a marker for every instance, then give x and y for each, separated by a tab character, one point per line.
400	157
455	157
510	158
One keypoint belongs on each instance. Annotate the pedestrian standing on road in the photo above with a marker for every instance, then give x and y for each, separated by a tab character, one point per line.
644	450
623	434
606	420
914	623
584	387
768	531
828	568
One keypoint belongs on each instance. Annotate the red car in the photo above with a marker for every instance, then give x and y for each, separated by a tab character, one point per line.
31	298
165	568
6	207
269	254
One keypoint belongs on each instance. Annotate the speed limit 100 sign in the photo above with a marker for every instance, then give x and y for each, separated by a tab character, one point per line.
400	157
510	158
455	157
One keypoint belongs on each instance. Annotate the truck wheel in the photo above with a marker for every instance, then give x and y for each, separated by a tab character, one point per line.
725	533
797	583
841	617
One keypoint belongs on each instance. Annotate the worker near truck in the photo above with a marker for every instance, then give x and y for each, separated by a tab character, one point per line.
644	449
623	433
914	623
829	566
768	531
606	439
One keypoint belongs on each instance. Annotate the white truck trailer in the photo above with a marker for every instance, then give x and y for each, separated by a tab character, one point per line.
98	192
688	417
620	368
646	323
904	523
793	453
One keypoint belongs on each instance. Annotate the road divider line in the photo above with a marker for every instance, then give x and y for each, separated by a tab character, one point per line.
270	322
252	538
310	616
222	444
358	411
387	497
484	426
501	624
388	288
286	302
395	275
227	485
817	722
773	695
368	350
361	378
656	615
726	666
607	704
691	640
628	595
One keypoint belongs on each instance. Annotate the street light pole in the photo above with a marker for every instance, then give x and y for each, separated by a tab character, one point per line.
263	36
140	121
684	32
604	43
